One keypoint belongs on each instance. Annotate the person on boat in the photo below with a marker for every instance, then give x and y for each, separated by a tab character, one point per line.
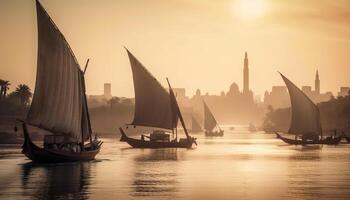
64	146
96	141
142	137
332	137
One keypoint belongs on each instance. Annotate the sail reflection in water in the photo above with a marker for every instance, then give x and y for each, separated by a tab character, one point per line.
63	181
152	180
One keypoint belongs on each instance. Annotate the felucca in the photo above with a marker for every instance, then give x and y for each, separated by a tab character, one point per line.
210	123
157	109
305	124
59	104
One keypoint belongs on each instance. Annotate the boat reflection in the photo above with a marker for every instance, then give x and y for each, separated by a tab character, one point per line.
152	180
157	155
59	181
304	174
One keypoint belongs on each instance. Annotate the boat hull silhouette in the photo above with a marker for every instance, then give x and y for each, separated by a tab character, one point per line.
214	134
137	143
332	141
42	155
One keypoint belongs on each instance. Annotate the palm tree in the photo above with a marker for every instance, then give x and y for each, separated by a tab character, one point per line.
24	94
4	87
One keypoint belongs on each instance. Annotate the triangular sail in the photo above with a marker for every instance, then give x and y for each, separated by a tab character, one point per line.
59	103
209	119
305	114
153	107
195	125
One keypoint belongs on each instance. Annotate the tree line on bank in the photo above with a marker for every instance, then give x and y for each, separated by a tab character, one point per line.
108	118
16	102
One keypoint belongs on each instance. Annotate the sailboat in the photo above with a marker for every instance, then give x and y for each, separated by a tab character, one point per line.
59	103
196	128
210	123
305	123
157	109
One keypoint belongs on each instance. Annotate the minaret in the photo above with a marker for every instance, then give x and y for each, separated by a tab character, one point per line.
246	75
317	83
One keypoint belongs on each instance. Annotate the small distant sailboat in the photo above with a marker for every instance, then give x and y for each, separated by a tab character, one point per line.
305	121
59	103
210	123
155	108
196	128
345	136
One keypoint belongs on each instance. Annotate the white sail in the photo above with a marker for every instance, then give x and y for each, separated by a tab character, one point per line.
153	105
59	101
305	114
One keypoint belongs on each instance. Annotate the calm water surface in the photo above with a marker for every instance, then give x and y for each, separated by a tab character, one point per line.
240	165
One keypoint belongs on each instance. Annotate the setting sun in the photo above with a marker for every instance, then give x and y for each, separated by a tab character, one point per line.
249	9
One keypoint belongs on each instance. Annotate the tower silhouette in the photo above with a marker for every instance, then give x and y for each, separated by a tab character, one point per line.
246	75
317	83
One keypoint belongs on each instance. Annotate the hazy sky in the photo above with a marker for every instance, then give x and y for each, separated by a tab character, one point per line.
196	43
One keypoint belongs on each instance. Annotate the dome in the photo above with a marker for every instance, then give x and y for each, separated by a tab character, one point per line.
234	89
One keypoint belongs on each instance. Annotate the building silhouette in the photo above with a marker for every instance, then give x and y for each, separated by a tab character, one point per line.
107	92
246	75
315	95
279	97
98	100
317	83
234	106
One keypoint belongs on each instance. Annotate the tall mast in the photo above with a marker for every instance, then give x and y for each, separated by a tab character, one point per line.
86	105
178	111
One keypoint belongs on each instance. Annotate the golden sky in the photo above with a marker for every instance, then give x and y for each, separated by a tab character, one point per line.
196	43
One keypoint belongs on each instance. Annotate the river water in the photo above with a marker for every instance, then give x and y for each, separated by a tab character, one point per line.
241	165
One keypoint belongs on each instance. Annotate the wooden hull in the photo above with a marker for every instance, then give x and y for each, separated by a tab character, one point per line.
41	155
214	134
333	141
136	143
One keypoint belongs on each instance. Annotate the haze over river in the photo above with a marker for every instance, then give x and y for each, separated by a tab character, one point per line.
241	165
